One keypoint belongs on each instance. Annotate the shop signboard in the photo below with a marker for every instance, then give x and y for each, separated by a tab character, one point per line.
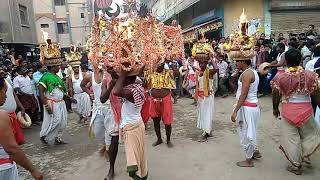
191	33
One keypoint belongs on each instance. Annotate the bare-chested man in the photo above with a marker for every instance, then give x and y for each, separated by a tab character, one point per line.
160	100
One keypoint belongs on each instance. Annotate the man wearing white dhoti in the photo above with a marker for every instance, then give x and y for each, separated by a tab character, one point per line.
81	101
10	152
51	92
247	113
204	92
105	118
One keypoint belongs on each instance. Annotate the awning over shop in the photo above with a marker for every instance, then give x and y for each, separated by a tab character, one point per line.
191	33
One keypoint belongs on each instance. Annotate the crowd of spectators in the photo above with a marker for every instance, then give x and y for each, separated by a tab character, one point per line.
270	50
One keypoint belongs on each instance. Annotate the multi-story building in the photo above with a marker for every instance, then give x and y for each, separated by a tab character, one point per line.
214	18
17	21
218	18
66	21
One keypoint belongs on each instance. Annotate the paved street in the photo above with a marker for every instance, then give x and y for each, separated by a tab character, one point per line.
188	160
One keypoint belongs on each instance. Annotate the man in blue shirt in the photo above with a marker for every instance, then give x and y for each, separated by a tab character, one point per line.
36	78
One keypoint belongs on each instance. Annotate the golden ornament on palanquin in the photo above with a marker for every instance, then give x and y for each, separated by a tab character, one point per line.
156	80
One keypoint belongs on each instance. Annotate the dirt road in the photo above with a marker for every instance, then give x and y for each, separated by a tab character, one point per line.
188	160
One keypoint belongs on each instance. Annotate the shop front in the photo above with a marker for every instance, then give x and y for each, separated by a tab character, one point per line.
212	30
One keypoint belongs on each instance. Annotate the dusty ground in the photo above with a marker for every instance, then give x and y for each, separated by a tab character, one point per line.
188	160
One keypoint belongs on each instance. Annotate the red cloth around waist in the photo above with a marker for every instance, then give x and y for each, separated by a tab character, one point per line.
201	94
16	128
297	113
6	161
54	100
248	104
191	77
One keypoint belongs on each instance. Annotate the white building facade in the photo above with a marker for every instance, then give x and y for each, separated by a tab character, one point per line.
66	21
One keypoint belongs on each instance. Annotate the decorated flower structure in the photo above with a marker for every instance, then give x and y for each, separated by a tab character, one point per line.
130	42
73	57
50	52
201	50
241	45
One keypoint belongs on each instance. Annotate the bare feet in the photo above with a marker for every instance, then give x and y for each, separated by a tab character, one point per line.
294	170
159	141
246	163
169	144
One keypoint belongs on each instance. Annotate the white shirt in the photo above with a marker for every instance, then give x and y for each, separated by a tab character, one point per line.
253	89
310	64
10	105
223	67
24	83
9	80
279	58
130	114
190	67
305	51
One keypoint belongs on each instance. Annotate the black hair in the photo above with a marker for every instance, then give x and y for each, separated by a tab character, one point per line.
282	38
293	57
39	66
294	44
266	42
247	62
316	52
310	43
281	46
312	26
293	39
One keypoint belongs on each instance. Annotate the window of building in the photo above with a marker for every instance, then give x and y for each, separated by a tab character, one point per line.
59	2
63	28
23	15
82	15
44	25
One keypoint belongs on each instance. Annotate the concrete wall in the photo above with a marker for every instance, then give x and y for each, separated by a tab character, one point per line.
5	23
233	9
28	32
79	28
11	29
51	30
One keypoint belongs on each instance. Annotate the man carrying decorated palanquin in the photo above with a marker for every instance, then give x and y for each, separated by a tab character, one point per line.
161	82
51	92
